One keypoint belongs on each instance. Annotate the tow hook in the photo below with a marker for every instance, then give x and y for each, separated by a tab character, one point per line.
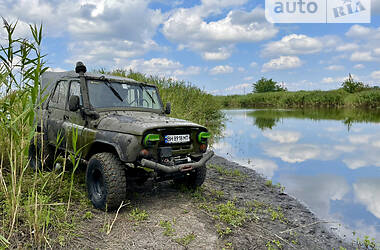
186	168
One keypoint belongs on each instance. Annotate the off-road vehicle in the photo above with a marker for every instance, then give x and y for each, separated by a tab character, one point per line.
122	132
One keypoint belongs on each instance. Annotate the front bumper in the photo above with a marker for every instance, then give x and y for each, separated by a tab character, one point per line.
177	168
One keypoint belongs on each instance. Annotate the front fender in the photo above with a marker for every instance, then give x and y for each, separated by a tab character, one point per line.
127	146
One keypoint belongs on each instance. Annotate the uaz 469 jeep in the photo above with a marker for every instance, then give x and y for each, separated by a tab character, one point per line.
122	131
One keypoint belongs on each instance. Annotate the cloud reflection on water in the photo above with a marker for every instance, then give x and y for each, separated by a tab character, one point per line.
282	136
367	192
317	191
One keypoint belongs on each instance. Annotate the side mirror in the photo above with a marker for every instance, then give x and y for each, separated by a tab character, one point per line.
74	103
168	108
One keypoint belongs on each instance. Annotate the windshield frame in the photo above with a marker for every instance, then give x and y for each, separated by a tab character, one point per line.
129	82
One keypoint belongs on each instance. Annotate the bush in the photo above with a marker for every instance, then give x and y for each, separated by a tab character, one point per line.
267	85
352	86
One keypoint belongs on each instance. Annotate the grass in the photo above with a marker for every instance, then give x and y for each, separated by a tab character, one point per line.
230	214
139	215
228	172
186	240
302	99
168	227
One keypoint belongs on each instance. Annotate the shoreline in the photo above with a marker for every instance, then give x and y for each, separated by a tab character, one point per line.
234	209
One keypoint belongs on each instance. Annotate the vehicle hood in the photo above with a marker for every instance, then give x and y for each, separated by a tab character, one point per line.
136	123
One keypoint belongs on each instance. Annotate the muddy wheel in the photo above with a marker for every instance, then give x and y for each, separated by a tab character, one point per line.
106	181
194	179
40	154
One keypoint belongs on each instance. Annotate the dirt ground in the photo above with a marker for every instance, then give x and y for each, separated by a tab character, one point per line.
171	217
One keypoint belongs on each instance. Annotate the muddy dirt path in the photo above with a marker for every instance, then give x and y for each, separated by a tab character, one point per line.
235	209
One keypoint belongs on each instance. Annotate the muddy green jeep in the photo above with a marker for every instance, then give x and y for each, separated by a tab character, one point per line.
122	132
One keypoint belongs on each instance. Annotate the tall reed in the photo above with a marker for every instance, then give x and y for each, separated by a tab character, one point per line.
32	203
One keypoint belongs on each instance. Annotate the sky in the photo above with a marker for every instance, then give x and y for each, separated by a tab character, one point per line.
221	46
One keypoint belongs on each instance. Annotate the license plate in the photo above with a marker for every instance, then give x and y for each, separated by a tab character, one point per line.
177	139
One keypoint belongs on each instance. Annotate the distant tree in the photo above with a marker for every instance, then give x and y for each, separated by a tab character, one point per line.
351	86
267	85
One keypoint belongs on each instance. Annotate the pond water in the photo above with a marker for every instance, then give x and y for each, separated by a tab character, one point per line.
328	159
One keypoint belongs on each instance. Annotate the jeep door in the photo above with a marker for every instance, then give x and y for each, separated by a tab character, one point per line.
56	112
74	123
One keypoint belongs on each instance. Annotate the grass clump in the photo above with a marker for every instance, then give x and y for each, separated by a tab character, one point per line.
228	172
186	240
168	227
230	214
139	215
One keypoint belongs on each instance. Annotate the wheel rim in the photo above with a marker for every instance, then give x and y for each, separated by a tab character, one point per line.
97	184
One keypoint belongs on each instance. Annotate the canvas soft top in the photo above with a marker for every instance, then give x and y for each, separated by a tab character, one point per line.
49	79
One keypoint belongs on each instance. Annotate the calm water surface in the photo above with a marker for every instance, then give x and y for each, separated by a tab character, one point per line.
328	159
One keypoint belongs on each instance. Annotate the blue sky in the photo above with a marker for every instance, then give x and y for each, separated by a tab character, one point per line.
222	46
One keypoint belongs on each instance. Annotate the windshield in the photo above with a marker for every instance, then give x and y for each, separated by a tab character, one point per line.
122	95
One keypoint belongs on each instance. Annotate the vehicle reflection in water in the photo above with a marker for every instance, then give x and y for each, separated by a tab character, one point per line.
327	158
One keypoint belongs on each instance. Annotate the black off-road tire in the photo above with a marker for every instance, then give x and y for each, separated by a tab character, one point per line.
106	181
34	154
194	179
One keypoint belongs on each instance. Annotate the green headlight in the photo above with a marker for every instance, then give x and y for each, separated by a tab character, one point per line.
151	139
203	136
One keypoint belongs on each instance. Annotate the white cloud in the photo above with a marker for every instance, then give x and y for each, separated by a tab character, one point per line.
235	89
347	47
365	56
359	66
221	69
215	40
355	163
253	64
248	78
219	54
282	136
358	31
239	87
281	63
293	45
162	67
56	70
338	80
345	148
367	192
100	32
375	75
328	80
335	67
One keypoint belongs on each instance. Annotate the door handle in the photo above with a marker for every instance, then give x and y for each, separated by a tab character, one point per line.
65	117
